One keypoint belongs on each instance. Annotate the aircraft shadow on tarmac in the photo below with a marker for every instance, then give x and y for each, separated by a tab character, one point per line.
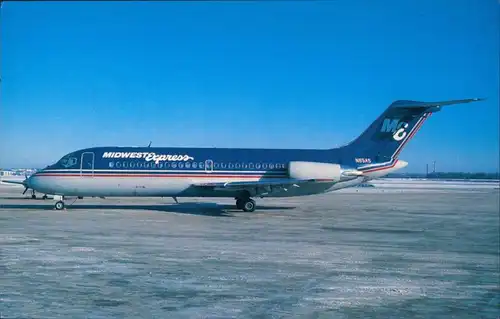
199	208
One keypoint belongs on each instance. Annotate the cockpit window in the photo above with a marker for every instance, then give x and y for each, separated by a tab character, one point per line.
68	161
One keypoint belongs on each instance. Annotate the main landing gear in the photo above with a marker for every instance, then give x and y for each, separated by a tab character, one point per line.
246	204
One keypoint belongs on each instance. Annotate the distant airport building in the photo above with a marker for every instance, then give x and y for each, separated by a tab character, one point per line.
17	172
6	173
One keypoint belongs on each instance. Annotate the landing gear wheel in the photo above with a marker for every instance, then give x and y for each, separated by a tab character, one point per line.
59	205
33	196
44	197
248	205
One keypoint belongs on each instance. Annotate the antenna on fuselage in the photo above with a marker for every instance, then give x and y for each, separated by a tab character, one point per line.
149	144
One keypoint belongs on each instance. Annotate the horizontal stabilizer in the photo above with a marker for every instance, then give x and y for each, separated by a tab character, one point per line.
417	104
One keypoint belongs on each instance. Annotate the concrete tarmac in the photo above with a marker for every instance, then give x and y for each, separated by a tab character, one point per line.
355	253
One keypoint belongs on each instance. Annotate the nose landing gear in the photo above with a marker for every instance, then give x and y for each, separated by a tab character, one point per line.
59	205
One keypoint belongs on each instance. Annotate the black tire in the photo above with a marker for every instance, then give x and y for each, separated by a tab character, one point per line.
59	205
44	197
33	196
249	205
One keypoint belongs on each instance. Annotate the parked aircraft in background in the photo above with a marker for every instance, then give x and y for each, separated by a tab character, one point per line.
240	173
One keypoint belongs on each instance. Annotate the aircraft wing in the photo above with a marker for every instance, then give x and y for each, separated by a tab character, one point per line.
265	186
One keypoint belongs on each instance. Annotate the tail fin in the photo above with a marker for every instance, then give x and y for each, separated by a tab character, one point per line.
386	137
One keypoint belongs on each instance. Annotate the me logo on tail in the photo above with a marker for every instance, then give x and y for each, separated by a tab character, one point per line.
396	127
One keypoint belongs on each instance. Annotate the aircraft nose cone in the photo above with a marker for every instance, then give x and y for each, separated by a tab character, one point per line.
27	182
31	181
401	164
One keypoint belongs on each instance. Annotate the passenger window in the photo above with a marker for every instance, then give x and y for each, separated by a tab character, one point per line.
111	164
132	164
147	165
250	165
118	165
257	166
125	164
271	166
174	165
216	165
237	165
167	165
181	165
231	165
195	164
188	165
245	165
201	165
264	166
223	165
161	165
140	165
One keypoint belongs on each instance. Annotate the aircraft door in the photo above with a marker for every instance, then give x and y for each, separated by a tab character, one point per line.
209	166
87	164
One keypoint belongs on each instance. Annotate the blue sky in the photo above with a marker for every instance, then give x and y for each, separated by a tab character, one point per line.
246	74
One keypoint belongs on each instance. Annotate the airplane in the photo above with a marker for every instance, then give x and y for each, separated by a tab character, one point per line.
239	173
